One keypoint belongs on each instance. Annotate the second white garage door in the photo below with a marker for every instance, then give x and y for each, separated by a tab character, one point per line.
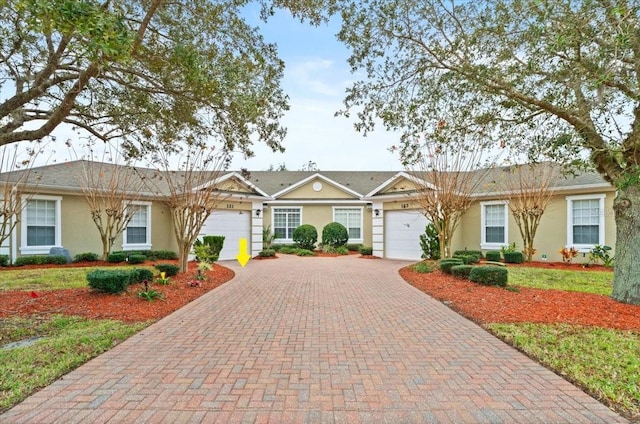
402	231
233	225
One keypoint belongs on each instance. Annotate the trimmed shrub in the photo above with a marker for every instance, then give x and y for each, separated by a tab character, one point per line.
138	275
477	253
354	247
494	255
366	250
423	267
513	257
334	234
461	271
305	236
117	257
4	260
40	260
447	263
109	280
305	252
342	250
289	250
137	259
170	270
86	257
466	259
489	275
166	255
267	253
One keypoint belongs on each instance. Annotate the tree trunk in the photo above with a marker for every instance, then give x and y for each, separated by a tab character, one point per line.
183	257
626	276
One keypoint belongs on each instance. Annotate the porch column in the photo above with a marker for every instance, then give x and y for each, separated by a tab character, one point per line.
257	224
377	230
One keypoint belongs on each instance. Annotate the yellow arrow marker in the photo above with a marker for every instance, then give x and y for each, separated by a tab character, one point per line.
242	256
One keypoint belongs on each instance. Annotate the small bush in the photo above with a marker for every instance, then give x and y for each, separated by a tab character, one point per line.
366	250
489	275
305	236
137	259
170	270
267	253
329	249
117	257
277	247
430	243
342	250
494	256
513	257
41	260
138	275
305	252
334	234
4	260
423	267
289	250
466	259
447	263
477	253
166	255
461	271
216	243
86	257
109	280
354	247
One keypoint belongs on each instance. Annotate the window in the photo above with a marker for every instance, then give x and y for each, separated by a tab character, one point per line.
495	230
137	235
351	218
41	228
585	223
285	221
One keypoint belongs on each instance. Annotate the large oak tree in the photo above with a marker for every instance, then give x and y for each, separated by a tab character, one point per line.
552	78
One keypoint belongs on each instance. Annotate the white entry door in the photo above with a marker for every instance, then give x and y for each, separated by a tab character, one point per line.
233	225
402	231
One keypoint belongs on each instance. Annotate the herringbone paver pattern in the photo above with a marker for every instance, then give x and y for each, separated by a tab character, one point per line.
321	340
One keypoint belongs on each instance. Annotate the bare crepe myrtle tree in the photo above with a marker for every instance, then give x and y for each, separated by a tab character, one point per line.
444	186
190	191
110	186
527	189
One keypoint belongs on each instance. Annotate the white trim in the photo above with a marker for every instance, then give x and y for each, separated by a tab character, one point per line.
483	234
390	181
585	247
551	189
322	177
138	246
354	202
41	250
361	209
229	176
273	220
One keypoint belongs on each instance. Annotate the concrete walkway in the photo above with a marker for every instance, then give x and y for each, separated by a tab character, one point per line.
312	340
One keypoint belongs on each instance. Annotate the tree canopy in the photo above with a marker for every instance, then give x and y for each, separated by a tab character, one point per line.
143	72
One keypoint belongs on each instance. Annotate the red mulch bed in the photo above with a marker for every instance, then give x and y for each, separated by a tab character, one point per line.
484	304
126	307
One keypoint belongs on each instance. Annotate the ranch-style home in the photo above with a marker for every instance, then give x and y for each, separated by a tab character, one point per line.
377	208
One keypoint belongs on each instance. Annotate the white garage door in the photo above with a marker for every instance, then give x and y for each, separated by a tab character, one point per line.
402	231
233	225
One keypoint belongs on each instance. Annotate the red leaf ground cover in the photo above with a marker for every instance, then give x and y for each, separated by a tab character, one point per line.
485	304
127	307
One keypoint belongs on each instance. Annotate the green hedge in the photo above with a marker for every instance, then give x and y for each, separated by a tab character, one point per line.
109	280
447	263
170	270
137	259
354	247
493	255
467	259
152	255
305	236
40	260
462	271
289	250
513	257
267	253
366	250
86	257
477	253
116	257
489	275
4	260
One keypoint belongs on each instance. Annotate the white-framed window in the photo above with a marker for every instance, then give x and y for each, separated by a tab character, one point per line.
495	224
351	218
41	224
137	234
285	221
585	221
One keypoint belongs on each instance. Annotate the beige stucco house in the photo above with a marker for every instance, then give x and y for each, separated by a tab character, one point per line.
378	209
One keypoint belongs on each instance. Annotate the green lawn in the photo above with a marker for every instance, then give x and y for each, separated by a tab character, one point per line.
597	282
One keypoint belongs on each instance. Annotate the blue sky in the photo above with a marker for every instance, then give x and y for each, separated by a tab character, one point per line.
315	79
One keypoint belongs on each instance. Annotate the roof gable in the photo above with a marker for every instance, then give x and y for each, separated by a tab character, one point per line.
400	183
305	189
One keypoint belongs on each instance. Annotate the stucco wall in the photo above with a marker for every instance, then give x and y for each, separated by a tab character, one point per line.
307	192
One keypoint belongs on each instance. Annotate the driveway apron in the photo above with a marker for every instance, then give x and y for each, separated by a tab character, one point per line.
312	340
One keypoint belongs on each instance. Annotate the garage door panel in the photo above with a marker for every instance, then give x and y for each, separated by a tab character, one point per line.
402	230
233	225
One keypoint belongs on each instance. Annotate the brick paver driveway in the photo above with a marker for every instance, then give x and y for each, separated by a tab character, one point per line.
312	340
